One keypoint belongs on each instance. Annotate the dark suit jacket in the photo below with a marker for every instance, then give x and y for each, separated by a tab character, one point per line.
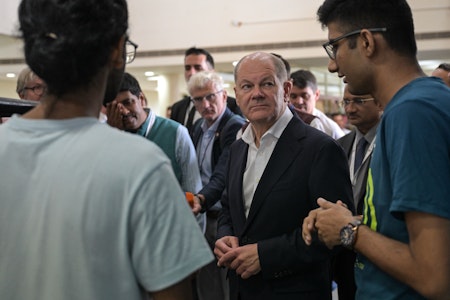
179	110
306	164
225	135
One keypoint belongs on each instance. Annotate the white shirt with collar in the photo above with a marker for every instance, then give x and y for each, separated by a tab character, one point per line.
257	158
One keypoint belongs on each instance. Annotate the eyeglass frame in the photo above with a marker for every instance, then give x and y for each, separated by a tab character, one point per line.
37	86
130	55
212	97
356	100
329	46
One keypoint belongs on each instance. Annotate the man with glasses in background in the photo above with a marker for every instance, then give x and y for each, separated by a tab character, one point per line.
364	113
212	136
30	86
403	239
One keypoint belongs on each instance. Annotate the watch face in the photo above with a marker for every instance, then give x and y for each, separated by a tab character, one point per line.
347	236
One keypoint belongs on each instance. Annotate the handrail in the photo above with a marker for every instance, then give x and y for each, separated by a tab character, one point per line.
9	106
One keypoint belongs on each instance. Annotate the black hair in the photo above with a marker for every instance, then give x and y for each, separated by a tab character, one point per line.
68	42
303	79
130	83
200	51
444	66
394	15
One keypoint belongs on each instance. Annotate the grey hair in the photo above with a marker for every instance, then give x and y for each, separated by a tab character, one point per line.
202	80
25	76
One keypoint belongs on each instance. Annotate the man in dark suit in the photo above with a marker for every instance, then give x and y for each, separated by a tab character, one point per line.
364	113
212	136
183	111
277	171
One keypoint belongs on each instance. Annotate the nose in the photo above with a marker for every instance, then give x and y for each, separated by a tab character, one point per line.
332	66
122	109
298	99
350	108
257	93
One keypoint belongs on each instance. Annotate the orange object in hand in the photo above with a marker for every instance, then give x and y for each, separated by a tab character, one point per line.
190	199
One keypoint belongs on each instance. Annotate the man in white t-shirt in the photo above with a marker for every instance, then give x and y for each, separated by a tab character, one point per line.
82	215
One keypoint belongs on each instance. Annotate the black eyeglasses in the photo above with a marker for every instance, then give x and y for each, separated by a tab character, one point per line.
357	101
329	46
130	50
38	90
210	97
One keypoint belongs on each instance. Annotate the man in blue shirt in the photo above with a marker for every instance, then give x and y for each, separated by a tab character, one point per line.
403	242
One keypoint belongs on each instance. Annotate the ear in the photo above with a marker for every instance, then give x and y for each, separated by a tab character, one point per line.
225	95
118	55
142	99
287	87
237	99
368	44
317	94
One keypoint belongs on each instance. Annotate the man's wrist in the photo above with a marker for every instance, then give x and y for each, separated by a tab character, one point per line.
349	233
201	200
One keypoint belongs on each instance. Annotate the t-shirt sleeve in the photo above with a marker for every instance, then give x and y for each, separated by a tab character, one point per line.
166	244
417	143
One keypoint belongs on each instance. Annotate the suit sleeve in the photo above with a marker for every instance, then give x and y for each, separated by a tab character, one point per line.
213	190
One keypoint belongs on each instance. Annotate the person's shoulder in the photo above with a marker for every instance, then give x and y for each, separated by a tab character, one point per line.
120	141
346	139
167	122
181	102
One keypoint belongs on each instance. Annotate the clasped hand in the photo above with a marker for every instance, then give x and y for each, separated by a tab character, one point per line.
327	221
243	259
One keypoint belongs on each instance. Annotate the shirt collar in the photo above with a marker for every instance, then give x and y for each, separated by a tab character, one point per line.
276	130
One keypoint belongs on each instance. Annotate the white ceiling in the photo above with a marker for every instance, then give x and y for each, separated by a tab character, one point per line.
230	29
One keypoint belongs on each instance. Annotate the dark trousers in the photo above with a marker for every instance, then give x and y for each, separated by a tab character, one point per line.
211	280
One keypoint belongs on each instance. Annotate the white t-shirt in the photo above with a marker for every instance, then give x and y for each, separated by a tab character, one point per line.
327	125
83	216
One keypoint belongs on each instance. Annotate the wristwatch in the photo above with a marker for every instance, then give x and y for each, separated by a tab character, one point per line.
348	234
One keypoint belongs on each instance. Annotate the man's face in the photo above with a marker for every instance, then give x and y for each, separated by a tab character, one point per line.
34	89
362	115
304	99
444	75
131	109
194	64
213	102
349	64
261	96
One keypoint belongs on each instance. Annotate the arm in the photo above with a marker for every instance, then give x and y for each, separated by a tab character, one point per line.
179	291
187	159
213	190
423	264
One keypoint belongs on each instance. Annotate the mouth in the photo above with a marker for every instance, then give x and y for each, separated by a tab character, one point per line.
128	118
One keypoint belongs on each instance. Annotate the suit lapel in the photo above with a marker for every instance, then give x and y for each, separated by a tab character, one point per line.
286	150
